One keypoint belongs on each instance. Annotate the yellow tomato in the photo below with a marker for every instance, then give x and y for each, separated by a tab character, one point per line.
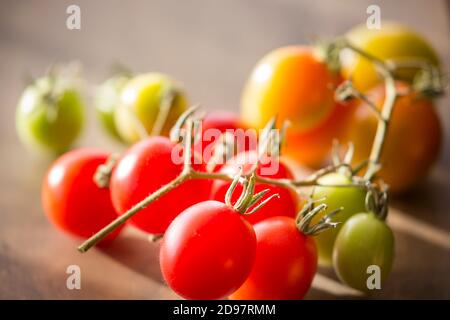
141	102
393	41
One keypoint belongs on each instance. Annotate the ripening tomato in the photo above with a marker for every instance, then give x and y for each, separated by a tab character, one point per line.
141	102
285	263
364	241
107	100
413	140
143	169
50	114
270	167
208	251
72	200
351	199
393	41
294	84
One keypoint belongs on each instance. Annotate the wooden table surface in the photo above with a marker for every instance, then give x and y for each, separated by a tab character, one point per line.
211	47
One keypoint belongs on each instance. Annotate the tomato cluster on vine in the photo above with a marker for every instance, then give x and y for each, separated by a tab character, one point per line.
232	216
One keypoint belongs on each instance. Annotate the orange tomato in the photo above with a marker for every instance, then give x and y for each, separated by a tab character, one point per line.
294	84
313	147
413	140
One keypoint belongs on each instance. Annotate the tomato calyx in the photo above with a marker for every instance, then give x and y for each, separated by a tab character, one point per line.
103	173
429	81
248	202
309	211
58	79
377	200
329	53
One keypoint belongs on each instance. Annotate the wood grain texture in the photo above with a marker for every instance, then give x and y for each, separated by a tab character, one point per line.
210	46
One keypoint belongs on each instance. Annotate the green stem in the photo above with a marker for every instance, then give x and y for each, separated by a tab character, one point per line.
85	246
386	111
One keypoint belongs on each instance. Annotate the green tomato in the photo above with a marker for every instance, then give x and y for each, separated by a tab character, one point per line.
364	240
50	115
141	102
351	199
107	100
393	41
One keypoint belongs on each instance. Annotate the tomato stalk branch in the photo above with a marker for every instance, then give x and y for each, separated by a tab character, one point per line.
188	174
386	71
85	246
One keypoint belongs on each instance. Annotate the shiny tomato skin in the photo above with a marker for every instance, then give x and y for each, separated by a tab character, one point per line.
145	168
71	199
285	205
294	84
285	263
352	201
413	141
364	241
207	251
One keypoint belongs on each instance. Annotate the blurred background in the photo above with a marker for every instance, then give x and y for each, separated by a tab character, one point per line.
211	47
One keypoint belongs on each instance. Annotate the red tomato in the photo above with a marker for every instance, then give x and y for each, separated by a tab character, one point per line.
70	197
285	263
285	205
217	123
143	169
207	251
222	120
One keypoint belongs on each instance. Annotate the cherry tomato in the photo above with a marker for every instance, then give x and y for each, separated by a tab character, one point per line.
351	199
222	121
285	263
72	200
413	140
285	205
141	102
107	100
50	114
364	240
217	123
207	251
143	169
292	83
393	41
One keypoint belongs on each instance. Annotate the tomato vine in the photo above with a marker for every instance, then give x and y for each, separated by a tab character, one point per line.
377	199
